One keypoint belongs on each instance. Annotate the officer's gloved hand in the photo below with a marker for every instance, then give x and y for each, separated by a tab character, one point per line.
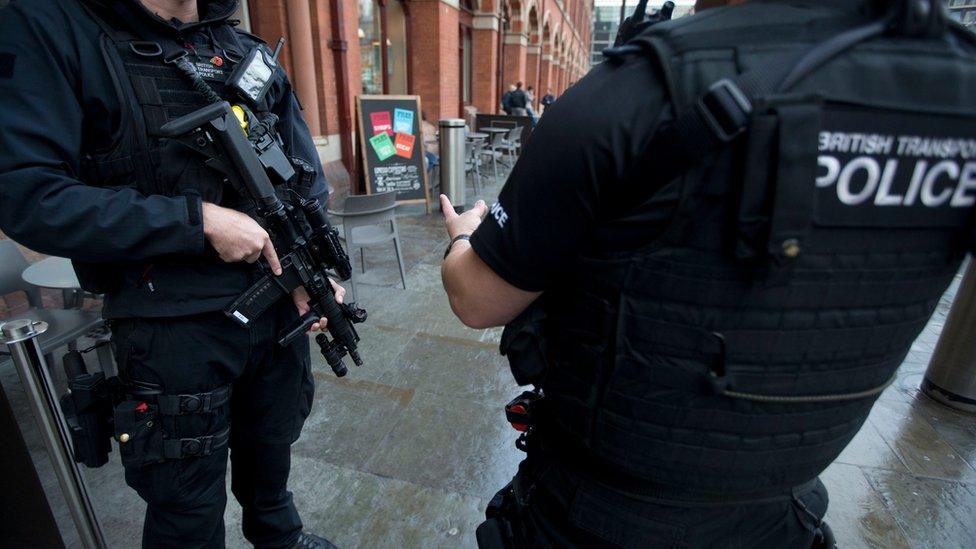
237	237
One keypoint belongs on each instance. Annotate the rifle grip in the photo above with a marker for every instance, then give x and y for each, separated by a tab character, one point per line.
297	328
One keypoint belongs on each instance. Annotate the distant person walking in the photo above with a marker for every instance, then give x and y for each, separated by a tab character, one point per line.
507	100
547	99
518	101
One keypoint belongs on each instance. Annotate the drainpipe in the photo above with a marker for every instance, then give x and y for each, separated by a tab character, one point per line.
303	61
339	46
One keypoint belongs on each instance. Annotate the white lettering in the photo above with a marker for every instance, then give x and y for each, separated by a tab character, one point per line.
833	168
873	170
967	182
824	141
884	197
916	183
498	212
929	198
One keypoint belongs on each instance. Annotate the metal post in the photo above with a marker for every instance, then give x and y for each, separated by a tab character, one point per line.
20	336
951	376
452	161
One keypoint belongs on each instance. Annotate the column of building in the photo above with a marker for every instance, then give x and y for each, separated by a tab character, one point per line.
484	73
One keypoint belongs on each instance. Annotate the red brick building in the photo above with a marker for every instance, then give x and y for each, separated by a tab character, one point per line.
455	54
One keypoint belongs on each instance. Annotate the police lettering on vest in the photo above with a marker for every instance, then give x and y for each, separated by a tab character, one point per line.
918	166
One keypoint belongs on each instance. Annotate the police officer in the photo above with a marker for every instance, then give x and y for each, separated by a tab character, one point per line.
712	256
85	174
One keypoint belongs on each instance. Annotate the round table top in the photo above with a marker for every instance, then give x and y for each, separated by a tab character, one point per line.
52	272
495	130
477	135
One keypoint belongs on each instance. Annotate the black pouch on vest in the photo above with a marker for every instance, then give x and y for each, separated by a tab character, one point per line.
777	192
522	342
139	434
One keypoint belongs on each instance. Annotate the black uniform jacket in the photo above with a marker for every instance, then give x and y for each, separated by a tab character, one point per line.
57	100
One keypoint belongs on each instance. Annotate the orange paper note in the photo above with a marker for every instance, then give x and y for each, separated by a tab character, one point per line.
404	144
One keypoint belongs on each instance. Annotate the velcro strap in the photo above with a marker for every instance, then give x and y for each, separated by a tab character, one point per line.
180	448
200	403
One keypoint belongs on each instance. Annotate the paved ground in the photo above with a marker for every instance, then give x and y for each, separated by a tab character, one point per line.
405	451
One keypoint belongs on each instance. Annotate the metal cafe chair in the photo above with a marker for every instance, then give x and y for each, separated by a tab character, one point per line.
368	220
512	142
472	162
65	326
495	149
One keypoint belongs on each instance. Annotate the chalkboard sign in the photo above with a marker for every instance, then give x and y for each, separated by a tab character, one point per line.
391	146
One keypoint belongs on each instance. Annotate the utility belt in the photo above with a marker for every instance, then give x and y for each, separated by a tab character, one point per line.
98	409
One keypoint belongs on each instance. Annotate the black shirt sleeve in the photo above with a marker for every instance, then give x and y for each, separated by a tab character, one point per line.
298	140
43	204
576	159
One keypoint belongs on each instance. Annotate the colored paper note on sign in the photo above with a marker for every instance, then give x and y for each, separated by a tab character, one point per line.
404	144
381	122
403	121
383	146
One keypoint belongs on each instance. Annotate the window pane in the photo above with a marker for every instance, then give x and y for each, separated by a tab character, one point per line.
369	46
396	44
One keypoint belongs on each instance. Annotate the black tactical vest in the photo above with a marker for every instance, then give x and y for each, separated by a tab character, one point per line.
151	91
741	351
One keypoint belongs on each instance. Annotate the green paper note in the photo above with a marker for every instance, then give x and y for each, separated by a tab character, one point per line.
383	146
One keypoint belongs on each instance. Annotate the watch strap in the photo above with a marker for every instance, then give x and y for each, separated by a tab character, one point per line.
453	240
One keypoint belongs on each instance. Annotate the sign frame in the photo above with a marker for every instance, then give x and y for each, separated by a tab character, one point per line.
365	134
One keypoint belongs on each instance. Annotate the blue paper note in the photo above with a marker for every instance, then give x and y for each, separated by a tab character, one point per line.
403	121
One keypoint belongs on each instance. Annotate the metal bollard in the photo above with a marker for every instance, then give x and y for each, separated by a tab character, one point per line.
951	375
452	161
20	337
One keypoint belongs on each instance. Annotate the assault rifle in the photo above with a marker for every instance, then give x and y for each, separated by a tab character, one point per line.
247	151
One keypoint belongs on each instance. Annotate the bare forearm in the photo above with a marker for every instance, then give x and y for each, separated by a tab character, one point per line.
478	296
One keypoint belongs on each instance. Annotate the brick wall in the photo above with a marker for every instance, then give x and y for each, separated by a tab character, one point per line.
484	70
434	60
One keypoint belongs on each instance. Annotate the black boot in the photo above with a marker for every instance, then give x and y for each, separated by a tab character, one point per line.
311	541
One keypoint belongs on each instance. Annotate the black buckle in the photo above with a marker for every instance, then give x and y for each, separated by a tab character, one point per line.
195	447
146	49
191	404
726	110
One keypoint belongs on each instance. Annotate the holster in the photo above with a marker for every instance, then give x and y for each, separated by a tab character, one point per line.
523	342
142	440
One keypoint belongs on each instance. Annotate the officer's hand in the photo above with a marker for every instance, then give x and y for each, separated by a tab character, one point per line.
237	237
300	297
465	223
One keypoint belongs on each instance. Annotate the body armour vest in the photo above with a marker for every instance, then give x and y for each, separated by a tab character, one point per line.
742	350
151	91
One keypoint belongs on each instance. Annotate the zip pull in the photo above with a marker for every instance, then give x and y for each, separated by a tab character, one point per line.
146	280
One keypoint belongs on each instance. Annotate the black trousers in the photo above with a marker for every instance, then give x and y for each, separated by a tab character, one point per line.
548	505
272	391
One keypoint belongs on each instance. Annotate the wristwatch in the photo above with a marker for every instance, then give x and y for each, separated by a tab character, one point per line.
453	240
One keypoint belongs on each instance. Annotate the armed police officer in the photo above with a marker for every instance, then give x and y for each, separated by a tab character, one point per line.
711	258
86	173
